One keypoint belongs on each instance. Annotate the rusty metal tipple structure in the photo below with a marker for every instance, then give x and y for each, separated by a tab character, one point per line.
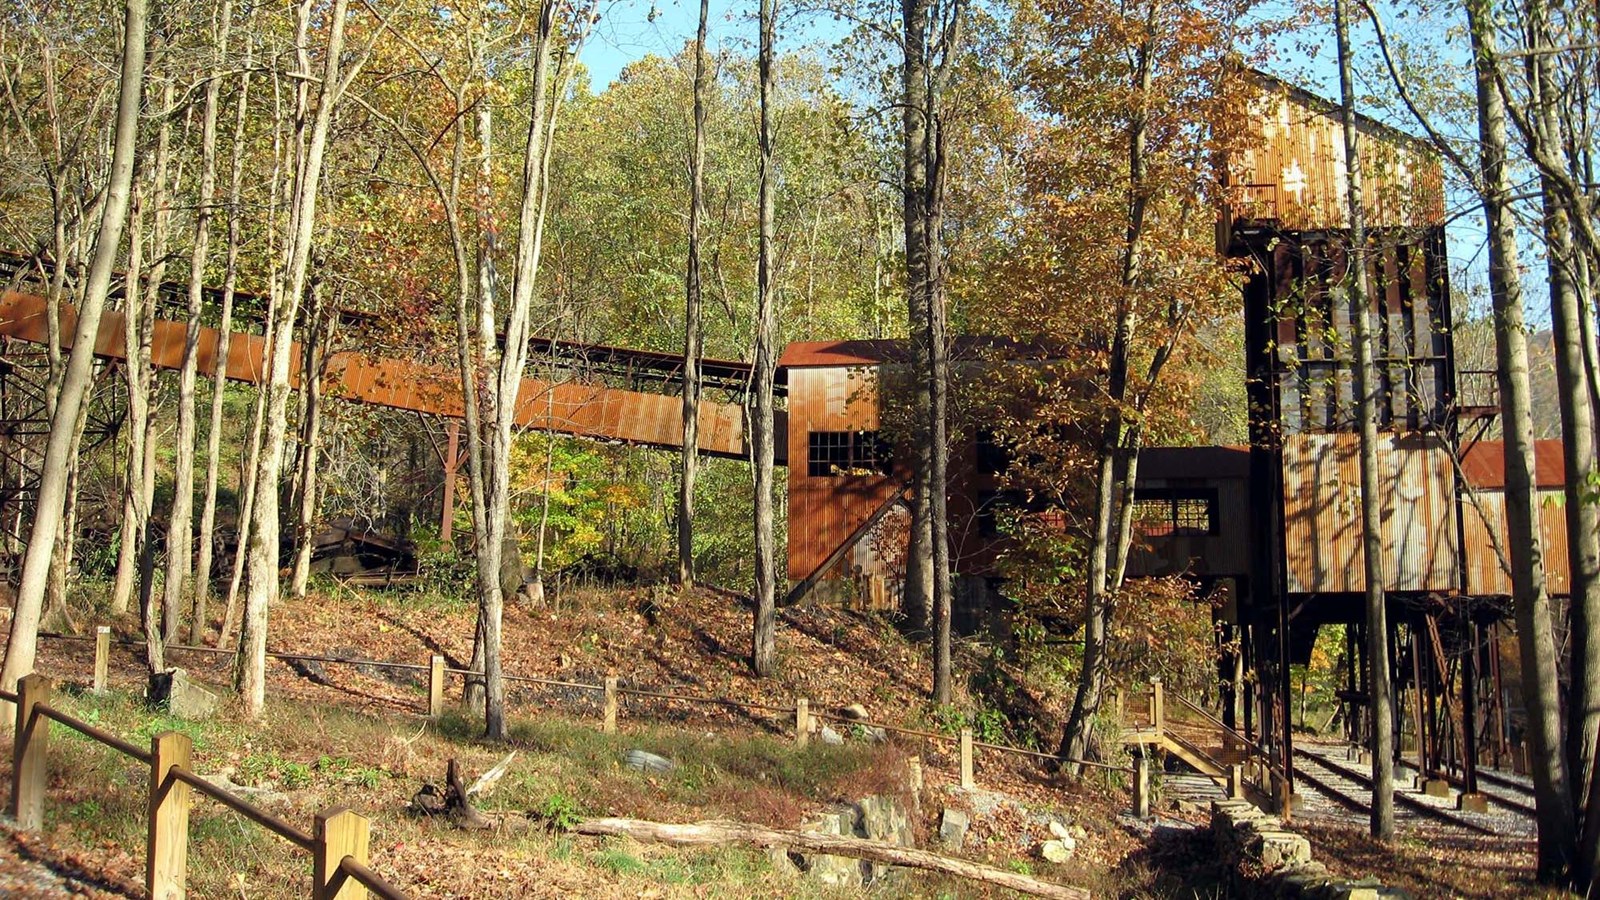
1274	526
1442	485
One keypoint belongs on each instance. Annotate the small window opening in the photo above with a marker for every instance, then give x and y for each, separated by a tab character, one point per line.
1171	513
833	453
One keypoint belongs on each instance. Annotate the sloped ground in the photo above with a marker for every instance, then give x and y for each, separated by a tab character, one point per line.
349	734
354	734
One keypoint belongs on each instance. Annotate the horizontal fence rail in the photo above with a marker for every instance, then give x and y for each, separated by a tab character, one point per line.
611	693
337	843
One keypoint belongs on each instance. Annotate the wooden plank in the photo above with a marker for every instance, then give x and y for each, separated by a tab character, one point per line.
435	686
609	705
102	657
28	753
338	833
968	779
167	844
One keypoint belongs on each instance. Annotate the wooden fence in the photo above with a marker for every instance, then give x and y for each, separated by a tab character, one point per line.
337	842
804	720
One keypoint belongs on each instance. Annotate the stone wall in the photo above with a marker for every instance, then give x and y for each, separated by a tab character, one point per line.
1269	860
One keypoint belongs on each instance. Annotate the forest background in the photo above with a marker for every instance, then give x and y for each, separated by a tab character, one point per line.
346	150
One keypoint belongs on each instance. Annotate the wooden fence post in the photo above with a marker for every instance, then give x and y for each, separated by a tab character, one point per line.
608	705
1236	782
435	687
102	657
802	722
1158	710
338	833
167	862
28	772
968	781
1141	785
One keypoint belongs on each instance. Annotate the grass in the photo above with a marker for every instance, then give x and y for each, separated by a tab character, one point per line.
316	756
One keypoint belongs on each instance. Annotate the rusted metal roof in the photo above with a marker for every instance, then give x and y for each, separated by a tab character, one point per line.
827	354
831	354
1484	464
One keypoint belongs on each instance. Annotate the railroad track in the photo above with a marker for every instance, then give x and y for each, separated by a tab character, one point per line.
1501	790
1351	789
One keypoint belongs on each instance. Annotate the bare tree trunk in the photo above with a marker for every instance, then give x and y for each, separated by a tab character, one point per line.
915	85
166	184
535	589
722	834
1577	421
939	411
208	509
470	341
922	576
51	497
498	393
315	358
136	502
1377	629
764	639
691	316
180	519
1106	550
61	566
263	553
139	486
247	493
1553	797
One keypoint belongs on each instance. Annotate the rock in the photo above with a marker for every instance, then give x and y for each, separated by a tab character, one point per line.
183	698
953	828
883	818
1055	851
854	712
828	736
839	871
1064	835
879	818
983	803
645	761
781	862
873	733
224	780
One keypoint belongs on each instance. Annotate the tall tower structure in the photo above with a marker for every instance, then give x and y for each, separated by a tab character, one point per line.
1286	215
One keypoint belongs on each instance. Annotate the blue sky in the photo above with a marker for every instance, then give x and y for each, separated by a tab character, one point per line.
632	29
626	32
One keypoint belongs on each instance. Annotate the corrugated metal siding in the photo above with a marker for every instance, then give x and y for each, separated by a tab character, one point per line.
588	410
1484	464
1322	513
1485	575
823	511
1293	170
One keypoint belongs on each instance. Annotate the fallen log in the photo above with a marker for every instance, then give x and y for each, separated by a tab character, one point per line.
718	834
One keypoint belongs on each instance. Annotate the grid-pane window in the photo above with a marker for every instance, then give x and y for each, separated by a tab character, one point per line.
1170	513
833	453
